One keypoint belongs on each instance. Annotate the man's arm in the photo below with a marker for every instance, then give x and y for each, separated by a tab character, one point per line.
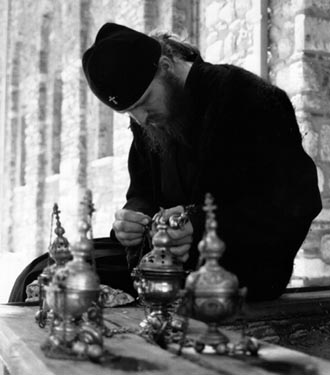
130	221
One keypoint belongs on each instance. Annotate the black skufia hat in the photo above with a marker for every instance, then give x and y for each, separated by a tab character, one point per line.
120	65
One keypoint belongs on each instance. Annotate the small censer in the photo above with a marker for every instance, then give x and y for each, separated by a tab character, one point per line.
72	294
59	255
159	277
213	294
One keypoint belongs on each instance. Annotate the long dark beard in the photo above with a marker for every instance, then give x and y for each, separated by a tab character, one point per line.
162	131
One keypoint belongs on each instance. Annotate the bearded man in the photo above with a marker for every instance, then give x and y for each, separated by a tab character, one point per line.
202	128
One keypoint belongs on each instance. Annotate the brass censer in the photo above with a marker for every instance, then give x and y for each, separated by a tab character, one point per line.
159	277
59	255
213	293
77	326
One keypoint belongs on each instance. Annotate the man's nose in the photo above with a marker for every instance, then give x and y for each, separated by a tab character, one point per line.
139	115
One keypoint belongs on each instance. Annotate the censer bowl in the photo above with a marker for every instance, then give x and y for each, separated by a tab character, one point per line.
216	293
71	302
156	287
211	308
73	289
159	276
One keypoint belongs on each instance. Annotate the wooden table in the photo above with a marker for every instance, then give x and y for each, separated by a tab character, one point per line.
20	352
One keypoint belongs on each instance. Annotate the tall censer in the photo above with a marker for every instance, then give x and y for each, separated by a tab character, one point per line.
59	255
72	294
213	293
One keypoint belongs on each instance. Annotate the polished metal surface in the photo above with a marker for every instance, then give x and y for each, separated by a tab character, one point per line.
60	254
159	277
213	291
73	294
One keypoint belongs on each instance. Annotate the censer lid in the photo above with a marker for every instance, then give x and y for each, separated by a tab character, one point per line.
59	249
160	260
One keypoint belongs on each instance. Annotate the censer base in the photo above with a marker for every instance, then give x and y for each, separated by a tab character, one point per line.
212	337
78	351
60	352
44	318
157	326
220	343
156	319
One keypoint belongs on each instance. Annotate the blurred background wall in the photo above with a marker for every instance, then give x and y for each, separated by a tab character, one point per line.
56	138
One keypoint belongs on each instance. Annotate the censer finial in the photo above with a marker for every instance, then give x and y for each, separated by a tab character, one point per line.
59	250
213	293
211	246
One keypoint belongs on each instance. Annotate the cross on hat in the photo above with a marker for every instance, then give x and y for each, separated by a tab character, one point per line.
112	99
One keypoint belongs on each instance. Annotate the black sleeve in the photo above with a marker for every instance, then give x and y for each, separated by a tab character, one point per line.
140	195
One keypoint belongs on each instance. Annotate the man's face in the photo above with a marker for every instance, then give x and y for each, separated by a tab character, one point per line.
162	112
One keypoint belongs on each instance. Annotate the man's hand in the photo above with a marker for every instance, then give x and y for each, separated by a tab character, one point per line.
182	238
129	226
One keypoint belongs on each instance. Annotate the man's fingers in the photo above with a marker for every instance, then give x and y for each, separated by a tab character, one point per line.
131	242
184	258
128	236
180	251
173	210
187	240
186	230
132	216
128	227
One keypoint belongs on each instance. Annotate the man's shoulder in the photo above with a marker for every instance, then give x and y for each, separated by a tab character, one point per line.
242	77
230	79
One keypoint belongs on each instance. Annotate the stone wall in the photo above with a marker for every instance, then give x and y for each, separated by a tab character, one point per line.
234	32
69	140
58	138
299	44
